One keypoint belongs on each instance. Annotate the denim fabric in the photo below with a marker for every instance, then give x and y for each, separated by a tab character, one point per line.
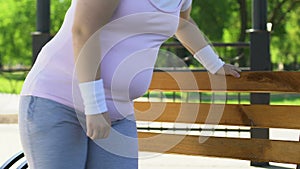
53	138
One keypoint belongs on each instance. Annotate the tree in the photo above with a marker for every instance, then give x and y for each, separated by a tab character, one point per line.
228	20
220	20
17	24
284	15
224	21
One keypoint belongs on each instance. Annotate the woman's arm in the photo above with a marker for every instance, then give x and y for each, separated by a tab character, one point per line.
193	40
91	16
189	34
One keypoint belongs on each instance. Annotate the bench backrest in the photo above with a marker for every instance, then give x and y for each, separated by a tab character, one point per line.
249	115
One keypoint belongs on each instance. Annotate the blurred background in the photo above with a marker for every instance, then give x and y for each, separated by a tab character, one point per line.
225	22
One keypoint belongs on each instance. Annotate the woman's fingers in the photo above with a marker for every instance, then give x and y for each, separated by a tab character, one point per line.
98	126
98	133
236	68
105	133
235	73
232	70
229	69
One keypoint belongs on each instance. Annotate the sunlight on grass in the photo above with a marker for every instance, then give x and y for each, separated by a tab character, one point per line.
11	82
285	99
218	98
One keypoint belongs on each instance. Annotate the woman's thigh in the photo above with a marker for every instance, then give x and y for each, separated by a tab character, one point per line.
51	135
118	151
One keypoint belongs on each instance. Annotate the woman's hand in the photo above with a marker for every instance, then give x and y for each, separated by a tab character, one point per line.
229	69
98	125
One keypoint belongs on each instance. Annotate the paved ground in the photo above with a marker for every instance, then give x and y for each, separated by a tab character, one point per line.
9	103
10	144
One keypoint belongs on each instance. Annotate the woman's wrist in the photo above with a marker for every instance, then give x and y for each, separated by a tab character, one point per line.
209	59
93	97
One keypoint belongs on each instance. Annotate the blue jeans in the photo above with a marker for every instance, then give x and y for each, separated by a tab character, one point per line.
53	137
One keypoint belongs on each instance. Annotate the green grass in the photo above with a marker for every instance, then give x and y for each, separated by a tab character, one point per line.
232	98
285	99
11	82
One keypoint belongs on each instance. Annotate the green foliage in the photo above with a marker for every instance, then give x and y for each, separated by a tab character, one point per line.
17	22
16	25
285	36
213	16
58	10
220	20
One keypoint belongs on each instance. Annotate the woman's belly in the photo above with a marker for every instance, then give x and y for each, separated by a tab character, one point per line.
127	78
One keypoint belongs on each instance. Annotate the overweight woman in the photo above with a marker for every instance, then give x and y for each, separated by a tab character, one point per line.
76	107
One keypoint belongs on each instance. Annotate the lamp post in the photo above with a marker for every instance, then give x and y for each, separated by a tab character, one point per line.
42	34
260	60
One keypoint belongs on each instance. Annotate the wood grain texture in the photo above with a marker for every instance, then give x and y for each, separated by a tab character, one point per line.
8	118
260	150
258	82
263	116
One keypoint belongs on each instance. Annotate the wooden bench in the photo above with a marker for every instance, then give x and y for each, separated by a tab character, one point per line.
249	115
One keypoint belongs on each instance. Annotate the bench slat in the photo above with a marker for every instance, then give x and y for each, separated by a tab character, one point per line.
256	82
8	118
260	150
263	116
